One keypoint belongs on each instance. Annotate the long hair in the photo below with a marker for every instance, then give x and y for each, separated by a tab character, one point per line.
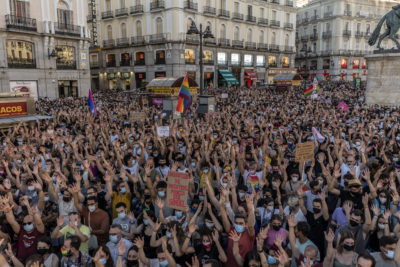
179	231
344	236
251	255
374	37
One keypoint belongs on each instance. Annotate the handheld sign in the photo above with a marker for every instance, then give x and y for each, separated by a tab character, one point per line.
163	131
137	116
304	152
177	190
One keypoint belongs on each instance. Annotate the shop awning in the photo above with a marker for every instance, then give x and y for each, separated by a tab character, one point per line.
228	76
250	74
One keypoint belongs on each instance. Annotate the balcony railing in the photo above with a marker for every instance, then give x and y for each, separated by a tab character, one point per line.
140	62
359	34
304	38
347	13
367	35
326	67
21	63
275	2
347	33
237	16
328	14
94	65
138	40
192	39
208	61
288	25
262	21
314	36
109	43
209	10
136	9
21	23
111	63
251	18
288	49
123	41
305	20
224	42
157	4
157	38
210	41
262	46
251	45
107	14
274	47
223	13
274	23
125	63
190	5
121	12
289	3
314	17
327	34
190	61
63	66
237	43
68	29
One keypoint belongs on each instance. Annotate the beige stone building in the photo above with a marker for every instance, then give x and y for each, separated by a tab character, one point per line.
44	47
332	37
139	40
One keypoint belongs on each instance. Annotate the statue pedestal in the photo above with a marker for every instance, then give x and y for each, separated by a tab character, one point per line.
383	81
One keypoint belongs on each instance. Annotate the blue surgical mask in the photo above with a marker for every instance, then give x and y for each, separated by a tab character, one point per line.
161	194
178	214
122	215
123	190
194	210
114	239
205	171
103	261
201	198
311	261
239	228
28	227
193	164
168	234
163	263
210	225
271	260
390	254
145	222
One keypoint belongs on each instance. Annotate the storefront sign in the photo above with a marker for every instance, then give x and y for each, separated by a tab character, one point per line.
125	69
275	71
283	83
209	69
139	69
13	109
21	87
191	67
177	190
161	68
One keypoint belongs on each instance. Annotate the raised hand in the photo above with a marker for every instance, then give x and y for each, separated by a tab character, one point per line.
139	242
60	221
330	236
234	236
215	236
291	221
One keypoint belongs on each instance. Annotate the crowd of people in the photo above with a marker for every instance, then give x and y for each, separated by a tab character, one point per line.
83	190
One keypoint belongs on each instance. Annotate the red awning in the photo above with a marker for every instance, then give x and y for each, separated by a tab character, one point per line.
250	74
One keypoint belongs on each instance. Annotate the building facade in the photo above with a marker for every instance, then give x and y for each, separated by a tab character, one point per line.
332	37
44	47
140	40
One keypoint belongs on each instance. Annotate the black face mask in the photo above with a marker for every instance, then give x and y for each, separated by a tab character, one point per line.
42	251
348	247
316	210
276	227
66	199
353	223
147	196
131	263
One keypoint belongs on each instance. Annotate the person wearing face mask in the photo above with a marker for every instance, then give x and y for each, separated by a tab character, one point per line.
121	194
74	257
162	167
103	257
125	220
389	255
275	230
383	201
380	227
344	255
74	228
115	237
294	182
266	209
161	193
164	256
65	203
44	249
205	172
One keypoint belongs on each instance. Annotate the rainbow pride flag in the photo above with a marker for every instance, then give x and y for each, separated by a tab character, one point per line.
342	77
184	97
211	87
309	90
91	103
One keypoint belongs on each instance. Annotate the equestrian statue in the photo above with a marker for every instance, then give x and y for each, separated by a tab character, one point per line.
392	19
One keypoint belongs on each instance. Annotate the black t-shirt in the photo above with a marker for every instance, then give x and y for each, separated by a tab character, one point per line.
204	255
317	226
357	200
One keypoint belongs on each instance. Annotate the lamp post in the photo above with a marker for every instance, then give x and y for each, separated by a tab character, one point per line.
203	34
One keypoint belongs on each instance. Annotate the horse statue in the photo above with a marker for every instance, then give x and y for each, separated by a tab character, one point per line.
392	19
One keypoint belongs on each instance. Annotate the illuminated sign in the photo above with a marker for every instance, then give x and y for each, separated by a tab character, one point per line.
13	109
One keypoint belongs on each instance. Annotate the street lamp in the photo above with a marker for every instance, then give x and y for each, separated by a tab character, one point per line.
206	34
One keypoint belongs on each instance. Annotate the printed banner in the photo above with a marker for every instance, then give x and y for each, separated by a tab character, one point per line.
13	109
21	87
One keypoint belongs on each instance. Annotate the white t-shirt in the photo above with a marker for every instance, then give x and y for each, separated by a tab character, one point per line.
298	217
252	179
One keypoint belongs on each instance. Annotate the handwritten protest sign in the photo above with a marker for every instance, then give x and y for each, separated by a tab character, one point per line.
177	190
137	116
304	152
224	96
163	131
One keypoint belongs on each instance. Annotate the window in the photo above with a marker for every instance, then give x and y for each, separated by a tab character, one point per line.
343	63
122	3
208	3
356	64
274	14
261	37
108	5
109	32
249	35
94	59
368	28
189	56
346	44
285	62
19	8
159	26
262	13
140	59
358	45
260	61
189	23
235	59
222	31
248	60
208	56
65	57
223	4
271	61
64	15
20	54
236	33
347	26
236	7
273	38
123	30
314	48
139	28
160	57
250	10
287	17
287	40
125	59
348	7
328	27
221	58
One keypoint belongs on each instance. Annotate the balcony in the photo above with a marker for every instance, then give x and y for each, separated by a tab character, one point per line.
210	41
208	61
272	65
94	65
141	62
288	26
251	19
223	13
224	42
157	4
21	63
190	39
327	34
157	38
347	33
138	40
348	13
274	23
111	63
275	2
251	45
121	12
64	66
289	3
367	35
304	38
288	49
304	20
123	41
190	61
107	14
274	48
190	5
125	63
237	16
136	9
314	18
68	29
262	21
345	52
359	34
89	18
160	61
328	14
21	23
325	67
237	43
262	47
109	43
314	36
208	10
326	53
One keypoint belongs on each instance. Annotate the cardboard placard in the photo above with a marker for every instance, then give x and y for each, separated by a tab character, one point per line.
177	190
304	152
163	131
137	116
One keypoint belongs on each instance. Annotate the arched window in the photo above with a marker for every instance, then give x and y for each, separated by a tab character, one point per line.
236	33
273	38
287	40
64	15
249	35
159	26
222	31
109	32
108	5
123	30
261	37
139	28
